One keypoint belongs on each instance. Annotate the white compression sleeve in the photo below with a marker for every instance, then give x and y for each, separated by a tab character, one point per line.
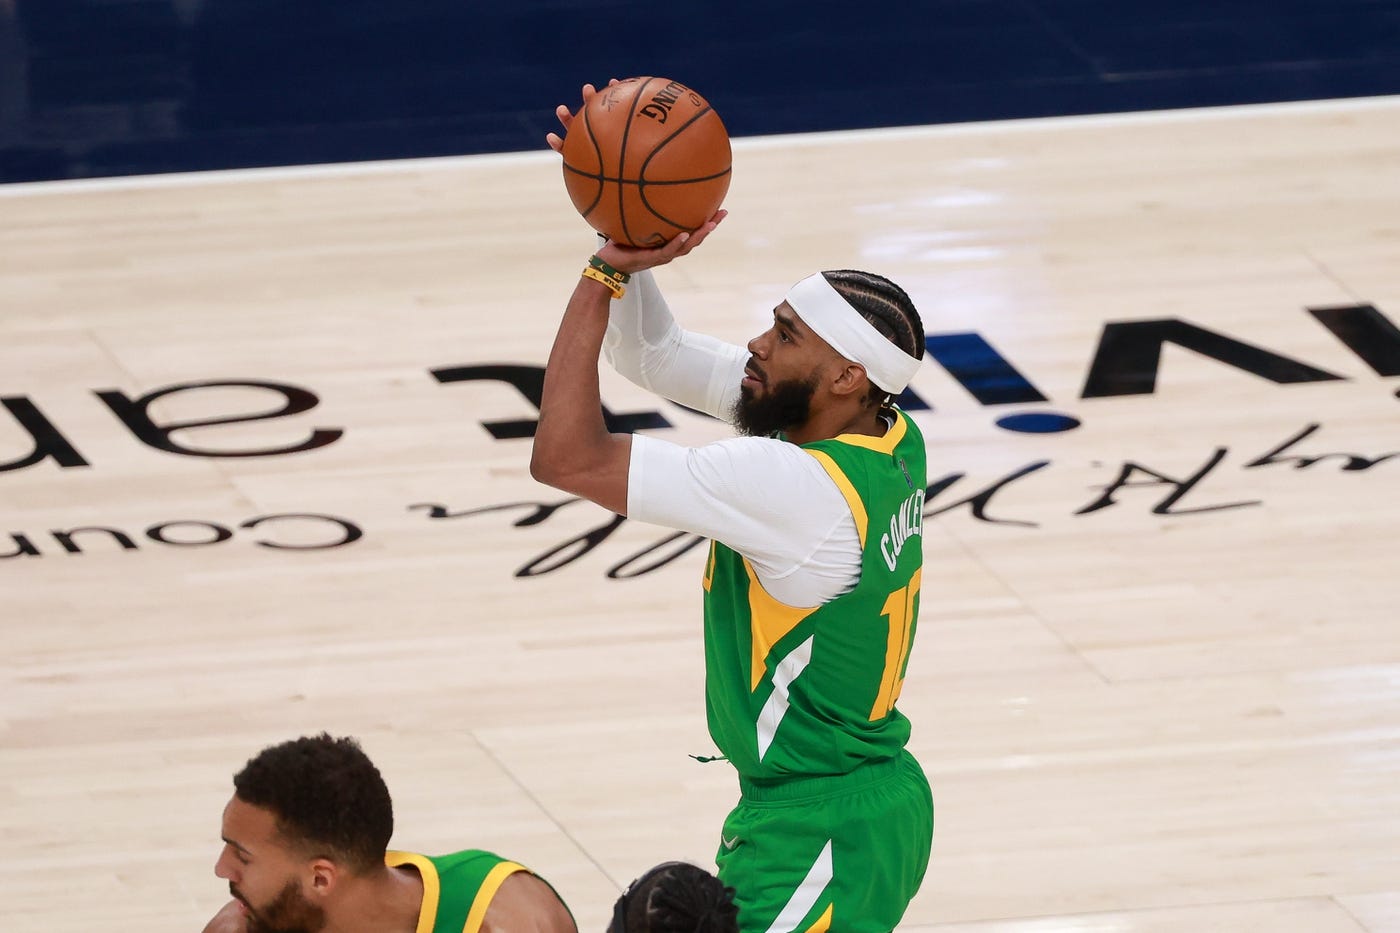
767	499
646	346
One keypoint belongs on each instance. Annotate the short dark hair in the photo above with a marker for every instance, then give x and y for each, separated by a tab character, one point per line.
327	796
887	307
676	897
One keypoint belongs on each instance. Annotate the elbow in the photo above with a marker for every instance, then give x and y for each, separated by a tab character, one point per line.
549	467
550	451
542	470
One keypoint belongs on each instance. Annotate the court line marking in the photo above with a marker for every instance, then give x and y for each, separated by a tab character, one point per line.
825	137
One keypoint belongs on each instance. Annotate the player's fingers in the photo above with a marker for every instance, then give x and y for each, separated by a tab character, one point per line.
707	228
695	238
678	246
564	114
698	235
629	258
555	142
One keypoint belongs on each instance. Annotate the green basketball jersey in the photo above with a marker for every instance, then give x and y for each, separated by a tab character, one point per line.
457	888
812	691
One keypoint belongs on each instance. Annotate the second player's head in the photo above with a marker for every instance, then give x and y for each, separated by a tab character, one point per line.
676	897
305	814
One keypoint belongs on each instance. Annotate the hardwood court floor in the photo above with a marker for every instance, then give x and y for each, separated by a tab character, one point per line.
1157	678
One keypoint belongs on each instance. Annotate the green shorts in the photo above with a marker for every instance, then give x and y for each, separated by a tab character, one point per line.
834	853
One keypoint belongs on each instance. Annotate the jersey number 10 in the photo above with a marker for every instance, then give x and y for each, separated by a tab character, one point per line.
899	609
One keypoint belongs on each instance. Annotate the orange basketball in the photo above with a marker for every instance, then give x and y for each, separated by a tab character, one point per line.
645	159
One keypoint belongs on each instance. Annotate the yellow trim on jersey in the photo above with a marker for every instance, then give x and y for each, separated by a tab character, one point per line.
823	922
486	892
884	444
769	621
847	489
427	914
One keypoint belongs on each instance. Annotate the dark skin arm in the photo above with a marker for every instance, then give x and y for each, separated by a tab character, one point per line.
573	449
525	904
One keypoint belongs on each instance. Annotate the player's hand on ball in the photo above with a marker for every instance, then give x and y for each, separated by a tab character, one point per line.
566	116
644	160
636	258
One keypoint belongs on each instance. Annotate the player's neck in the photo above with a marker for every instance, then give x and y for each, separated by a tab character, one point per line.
836	421
385	902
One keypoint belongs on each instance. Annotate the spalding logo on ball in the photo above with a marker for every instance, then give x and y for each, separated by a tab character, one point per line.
646	159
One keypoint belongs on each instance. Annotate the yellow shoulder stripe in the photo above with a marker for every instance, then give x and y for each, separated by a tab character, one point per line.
427	914
847	489
885	444
486	892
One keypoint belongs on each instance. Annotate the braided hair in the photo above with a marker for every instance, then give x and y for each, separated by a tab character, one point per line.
676	897
888	308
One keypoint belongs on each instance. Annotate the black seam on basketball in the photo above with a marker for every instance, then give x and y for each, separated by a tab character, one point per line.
598	154
663	143
622	157
660	216
642	193
598	157
646	184
671	181
643	183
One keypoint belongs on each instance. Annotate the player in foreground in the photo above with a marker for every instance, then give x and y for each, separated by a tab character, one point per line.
813	575
305	850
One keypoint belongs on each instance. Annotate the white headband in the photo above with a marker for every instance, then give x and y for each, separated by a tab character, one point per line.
833	319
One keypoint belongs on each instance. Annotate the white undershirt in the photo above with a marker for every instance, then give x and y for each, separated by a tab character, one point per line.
767	499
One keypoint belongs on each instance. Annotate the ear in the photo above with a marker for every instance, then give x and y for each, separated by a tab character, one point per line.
851	378
325	875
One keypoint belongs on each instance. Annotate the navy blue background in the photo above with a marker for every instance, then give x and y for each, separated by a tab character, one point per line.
112	87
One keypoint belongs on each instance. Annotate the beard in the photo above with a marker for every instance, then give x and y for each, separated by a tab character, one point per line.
288	912
785	405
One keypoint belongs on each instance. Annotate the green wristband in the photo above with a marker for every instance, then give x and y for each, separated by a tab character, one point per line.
609	271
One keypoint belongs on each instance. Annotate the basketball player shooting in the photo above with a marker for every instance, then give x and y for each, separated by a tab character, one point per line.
811	584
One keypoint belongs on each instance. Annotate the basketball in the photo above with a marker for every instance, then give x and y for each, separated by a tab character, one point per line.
646	159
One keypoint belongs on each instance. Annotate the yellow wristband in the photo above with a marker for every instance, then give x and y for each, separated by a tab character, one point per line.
613	285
